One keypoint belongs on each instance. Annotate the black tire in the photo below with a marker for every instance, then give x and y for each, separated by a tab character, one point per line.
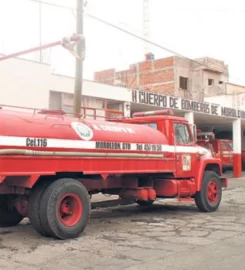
9	216
243	165
50	208
144	203
34	203
202	200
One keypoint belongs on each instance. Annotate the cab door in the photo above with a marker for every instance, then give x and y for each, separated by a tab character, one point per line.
184	148
230	150
226	154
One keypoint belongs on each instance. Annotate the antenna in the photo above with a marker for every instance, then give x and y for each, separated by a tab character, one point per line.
146	24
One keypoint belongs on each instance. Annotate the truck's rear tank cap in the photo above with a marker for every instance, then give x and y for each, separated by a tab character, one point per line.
151	113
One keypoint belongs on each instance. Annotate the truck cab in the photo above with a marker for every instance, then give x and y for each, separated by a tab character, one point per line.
222	148
182	138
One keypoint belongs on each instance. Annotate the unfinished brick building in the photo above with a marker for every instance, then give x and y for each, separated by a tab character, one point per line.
173	76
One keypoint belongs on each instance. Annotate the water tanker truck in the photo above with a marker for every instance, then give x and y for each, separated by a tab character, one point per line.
51	164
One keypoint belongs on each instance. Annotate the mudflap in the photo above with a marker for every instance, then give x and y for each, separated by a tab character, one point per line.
224	181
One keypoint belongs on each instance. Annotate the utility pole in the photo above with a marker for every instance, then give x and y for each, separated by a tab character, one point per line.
79	61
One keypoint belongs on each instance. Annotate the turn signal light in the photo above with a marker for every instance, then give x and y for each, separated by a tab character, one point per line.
217	155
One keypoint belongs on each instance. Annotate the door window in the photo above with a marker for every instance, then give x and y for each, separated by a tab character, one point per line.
223	146
230	146
182	134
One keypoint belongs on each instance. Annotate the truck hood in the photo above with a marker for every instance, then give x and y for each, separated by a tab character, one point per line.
205	151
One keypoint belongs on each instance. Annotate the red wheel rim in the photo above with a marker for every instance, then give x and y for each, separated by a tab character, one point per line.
213	192
70	209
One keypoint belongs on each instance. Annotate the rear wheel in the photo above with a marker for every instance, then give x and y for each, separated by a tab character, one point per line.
209	197
65	208
9	216
34	207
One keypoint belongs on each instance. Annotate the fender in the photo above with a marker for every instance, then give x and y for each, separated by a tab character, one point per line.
208	164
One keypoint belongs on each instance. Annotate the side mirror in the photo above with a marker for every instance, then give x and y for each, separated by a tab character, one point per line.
194	131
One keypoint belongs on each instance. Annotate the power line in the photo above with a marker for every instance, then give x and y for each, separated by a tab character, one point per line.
127	32
144	39
180	9
53	4
157	45
134	35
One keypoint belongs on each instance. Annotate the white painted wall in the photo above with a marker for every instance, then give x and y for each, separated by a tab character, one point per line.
24	83
223	100
27	83
234	101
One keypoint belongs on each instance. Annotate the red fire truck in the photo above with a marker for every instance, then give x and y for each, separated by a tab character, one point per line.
220	148
51	164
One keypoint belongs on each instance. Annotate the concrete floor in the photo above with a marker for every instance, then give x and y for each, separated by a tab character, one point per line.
169	235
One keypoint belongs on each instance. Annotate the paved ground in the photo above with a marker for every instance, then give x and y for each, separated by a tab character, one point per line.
166	236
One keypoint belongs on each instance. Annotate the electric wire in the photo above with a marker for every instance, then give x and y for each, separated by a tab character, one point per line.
135	36
53	4
158	45
148	41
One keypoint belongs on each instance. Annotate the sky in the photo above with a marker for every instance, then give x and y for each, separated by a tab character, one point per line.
212	28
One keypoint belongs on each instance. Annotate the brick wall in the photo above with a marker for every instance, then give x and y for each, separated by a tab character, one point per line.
153	75
105	76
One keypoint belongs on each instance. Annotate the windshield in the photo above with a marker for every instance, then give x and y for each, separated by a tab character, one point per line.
182	134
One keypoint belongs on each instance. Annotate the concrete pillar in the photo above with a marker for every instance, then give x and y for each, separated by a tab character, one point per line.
126	109
237	148
190	117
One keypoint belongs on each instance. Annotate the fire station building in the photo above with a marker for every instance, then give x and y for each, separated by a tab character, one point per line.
30	84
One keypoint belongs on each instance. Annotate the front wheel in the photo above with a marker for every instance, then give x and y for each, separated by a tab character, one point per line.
209	197
65	209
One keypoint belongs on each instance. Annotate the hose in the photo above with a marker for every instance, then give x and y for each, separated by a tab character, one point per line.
24	152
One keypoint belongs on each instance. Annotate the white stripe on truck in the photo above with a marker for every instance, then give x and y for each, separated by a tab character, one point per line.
13	141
